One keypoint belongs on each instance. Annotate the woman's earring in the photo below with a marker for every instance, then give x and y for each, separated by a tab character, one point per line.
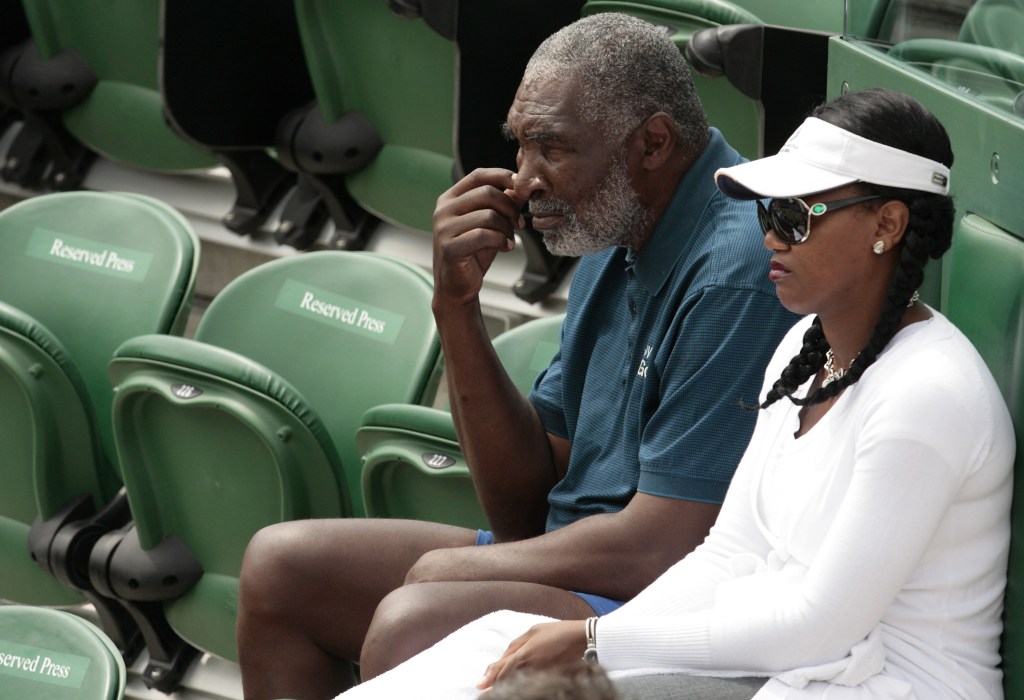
878	247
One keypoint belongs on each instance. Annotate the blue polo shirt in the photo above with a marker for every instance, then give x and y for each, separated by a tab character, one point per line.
659	352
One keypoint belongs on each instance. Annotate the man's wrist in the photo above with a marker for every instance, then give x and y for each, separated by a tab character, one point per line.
443	306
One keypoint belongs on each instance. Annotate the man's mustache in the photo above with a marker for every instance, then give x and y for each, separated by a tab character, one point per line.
542	207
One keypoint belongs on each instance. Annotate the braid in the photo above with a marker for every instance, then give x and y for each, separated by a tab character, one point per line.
928	235
899	121
810	359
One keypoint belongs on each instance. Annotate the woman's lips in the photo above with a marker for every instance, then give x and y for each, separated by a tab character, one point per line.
776	270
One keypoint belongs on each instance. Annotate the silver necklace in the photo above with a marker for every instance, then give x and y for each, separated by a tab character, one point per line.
831	373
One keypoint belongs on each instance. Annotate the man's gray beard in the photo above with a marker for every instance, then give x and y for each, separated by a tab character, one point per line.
612	216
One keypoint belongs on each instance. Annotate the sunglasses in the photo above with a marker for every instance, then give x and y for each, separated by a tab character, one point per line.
790	218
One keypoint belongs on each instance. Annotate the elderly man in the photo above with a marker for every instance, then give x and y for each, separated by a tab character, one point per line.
615	465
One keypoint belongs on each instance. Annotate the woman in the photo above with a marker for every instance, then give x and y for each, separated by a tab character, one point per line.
861	550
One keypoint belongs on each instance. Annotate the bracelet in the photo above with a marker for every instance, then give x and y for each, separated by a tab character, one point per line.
590	655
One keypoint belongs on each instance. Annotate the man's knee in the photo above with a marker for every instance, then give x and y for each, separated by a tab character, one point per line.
272	560
409	607
408	620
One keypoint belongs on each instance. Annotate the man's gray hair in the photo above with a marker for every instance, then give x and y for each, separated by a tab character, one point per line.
628	69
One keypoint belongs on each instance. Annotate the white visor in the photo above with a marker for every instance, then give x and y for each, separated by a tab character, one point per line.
820	156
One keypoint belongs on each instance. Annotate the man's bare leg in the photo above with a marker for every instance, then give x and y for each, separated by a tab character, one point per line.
308	592
415	617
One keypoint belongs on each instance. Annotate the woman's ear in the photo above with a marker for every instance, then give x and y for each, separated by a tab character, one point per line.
892	218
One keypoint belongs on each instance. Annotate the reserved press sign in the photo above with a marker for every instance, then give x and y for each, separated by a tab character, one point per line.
43	665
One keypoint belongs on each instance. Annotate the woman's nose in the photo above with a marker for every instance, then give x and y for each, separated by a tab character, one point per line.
773	242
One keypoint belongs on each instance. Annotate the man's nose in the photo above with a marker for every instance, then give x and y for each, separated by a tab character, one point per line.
530	184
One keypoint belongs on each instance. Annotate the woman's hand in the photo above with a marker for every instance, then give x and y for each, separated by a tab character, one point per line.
551	644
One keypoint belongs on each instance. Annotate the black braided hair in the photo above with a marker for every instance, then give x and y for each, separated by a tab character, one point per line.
897	120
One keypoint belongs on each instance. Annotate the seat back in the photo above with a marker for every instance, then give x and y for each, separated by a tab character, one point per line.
214	447
412	464
47	436
96	268
984	278
253	421
399	74
527	349
54	655
122	117
348	330
79	273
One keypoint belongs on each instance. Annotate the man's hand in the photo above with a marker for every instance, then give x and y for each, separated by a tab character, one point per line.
548	645
500	433
473	222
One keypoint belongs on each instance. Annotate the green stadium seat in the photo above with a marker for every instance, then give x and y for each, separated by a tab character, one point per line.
412	464
251	423
988	73
998	23
36	95
89	83
230	71
369	127
984	275
80	272
54	655
374	71
987	59
408	100
46	422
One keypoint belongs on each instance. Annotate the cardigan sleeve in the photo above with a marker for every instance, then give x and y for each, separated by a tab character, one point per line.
914	451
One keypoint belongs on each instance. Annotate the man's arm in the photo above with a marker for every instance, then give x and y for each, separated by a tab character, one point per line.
614	555
509	455
618	554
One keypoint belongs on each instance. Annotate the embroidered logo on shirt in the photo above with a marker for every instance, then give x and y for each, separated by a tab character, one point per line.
641	371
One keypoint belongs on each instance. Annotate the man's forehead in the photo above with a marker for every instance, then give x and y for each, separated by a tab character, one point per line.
544	106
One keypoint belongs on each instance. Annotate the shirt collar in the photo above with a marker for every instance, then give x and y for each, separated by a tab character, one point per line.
672	235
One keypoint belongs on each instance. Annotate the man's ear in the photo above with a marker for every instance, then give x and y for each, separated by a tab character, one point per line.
892	218
657	140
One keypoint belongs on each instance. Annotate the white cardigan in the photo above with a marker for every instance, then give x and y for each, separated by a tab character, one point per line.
864	560
883	531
